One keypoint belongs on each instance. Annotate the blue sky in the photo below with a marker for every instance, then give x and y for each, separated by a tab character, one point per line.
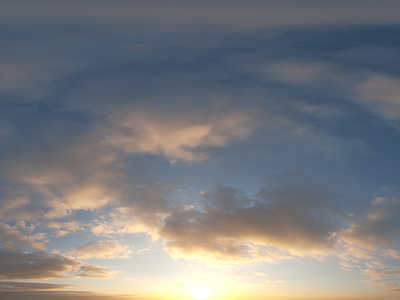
151	148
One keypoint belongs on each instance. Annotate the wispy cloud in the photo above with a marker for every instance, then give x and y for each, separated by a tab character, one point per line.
101	249
30	286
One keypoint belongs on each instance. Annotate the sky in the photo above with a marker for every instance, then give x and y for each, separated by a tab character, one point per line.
217	150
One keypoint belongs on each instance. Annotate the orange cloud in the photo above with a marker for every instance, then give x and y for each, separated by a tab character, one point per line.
101	249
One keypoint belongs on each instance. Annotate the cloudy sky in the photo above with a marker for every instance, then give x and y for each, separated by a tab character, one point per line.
169	149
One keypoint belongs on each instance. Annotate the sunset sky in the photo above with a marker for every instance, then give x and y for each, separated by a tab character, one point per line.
217	150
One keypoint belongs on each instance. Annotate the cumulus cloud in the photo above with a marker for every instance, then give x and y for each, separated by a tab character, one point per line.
76	172
12	237
291	215
371	239
282	221
143	212
64	228
179	134
17	265
101	249
379	228
89	196
216	235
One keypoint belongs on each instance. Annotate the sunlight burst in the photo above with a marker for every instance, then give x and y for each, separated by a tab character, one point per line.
200	293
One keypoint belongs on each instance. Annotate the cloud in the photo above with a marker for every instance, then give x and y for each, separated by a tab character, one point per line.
30	286
289	218
294	214
380	93
26	77
64	228
60	162
179	134
16	265
36	265
64	295
298	73
101	249
11	236
92	271
375	91
383	275
379	228
372	239
14	206
71	171
89	196
143	212
291	215
274	281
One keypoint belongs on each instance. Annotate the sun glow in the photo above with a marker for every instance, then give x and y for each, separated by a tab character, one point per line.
200	293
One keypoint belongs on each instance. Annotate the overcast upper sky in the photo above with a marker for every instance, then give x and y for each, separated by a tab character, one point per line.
149	148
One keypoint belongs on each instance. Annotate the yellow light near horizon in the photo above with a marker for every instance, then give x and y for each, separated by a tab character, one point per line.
200	293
